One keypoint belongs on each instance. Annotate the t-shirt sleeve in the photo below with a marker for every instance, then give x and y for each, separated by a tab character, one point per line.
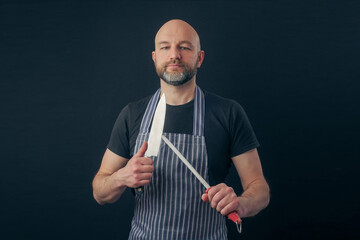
119	139
242	135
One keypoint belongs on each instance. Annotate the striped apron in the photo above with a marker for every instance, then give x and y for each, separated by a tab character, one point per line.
170	207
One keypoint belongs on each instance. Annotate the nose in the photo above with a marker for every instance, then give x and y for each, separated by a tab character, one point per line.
174	53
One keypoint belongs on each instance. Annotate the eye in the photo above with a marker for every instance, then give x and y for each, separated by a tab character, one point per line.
184	48
164	48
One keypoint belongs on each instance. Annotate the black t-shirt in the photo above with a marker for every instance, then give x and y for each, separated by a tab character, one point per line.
227	130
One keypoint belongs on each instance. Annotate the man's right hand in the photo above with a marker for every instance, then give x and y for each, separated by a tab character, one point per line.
138	170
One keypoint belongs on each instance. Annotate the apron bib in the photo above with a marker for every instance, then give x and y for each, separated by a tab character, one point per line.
171	206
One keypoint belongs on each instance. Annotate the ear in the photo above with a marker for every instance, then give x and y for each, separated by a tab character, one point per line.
201	56
153	56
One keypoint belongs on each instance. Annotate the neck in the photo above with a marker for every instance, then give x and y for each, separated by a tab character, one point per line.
178	95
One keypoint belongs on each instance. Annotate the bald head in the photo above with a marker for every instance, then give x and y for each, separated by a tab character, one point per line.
177	53
180	30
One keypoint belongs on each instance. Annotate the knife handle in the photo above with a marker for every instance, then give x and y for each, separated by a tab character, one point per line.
140	190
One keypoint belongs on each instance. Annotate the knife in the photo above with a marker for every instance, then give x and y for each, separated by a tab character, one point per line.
156	131
233	216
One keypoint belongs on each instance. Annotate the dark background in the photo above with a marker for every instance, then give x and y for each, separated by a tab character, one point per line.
69	67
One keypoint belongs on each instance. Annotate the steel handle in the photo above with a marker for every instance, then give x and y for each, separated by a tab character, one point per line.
233	216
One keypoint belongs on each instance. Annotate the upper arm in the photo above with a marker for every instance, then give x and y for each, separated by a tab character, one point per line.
248	167
111	162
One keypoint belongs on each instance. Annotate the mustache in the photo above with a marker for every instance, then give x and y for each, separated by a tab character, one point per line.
177	62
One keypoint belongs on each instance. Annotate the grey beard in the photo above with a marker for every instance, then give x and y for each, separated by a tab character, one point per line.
176	79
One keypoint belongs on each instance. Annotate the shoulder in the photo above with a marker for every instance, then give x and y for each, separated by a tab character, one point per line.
225	112
139	103
137	107
132	112
227	106
219	100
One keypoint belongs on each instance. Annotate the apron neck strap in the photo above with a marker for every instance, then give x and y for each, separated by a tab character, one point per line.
199	112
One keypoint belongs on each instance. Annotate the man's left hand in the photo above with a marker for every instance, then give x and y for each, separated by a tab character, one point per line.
223	198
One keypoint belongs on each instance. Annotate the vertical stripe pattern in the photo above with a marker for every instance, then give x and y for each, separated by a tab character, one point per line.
171	205
199	112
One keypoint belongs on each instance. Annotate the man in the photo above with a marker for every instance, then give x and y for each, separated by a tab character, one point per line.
210	131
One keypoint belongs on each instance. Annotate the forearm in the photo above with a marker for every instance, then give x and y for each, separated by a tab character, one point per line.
255	198
106	189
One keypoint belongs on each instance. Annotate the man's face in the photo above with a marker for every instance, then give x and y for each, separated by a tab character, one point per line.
177	54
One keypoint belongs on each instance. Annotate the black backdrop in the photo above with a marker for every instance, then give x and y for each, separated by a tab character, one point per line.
68	68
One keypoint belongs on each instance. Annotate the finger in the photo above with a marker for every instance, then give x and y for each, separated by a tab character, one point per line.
144	176
222	203
140	178
146	161
205	197
232	206
142	150
146	169
214	197
215	200
141	183
212	191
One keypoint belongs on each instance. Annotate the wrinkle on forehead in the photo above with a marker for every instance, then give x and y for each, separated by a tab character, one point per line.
177	27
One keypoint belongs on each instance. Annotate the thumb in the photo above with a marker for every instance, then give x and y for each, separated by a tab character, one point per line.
142	150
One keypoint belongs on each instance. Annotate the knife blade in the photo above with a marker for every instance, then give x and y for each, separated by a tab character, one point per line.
233	216
156	132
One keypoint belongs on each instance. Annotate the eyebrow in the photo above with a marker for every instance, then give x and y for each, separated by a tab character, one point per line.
166	42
